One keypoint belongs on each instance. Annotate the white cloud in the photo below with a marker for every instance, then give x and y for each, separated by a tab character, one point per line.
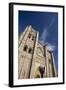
52	21
44	35
51	47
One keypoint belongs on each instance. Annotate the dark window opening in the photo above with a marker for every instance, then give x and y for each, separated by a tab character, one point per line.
30	50
25	48
29	36
33	38
41	70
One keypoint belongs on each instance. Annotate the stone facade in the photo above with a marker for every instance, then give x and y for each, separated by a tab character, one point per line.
34	59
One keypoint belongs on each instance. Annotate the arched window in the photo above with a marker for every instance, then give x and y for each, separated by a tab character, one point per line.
30	50
29	36
33	37
41	70
25	48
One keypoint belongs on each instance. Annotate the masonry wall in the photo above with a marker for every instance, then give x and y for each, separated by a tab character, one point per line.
32	55
25	52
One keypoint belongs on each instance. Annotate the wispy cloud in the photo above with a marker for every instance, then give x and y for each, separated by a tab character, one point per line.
52	21
44	36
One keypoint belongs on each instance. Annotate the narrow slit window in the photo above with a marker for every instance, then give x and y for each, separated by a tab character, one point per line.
25	48
33	38
30	50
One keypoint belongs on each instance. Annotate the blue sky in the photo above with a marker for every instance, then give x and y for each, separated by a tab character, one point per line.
47	25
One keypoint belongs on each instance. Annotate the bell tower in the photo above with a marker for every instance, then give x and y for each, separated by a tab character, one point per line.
25	52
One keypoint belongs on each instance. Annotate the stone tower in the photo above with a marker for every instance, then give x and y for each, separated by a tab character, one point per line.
34	60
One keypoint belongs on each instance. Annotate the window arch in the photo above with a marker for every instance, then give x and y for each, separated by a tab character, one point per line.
41	70
25	48
33	37
30	50
29	36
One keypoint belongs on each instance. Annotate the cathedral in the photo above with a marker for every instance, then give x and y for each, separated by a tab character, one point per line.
34	59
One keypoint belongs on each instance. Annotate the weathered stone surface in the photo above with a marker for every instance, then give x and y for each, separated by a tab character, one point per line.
32	55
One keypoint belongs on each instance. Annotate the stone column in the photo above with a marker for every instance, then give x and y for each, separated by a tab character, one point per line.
46	60
53	65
